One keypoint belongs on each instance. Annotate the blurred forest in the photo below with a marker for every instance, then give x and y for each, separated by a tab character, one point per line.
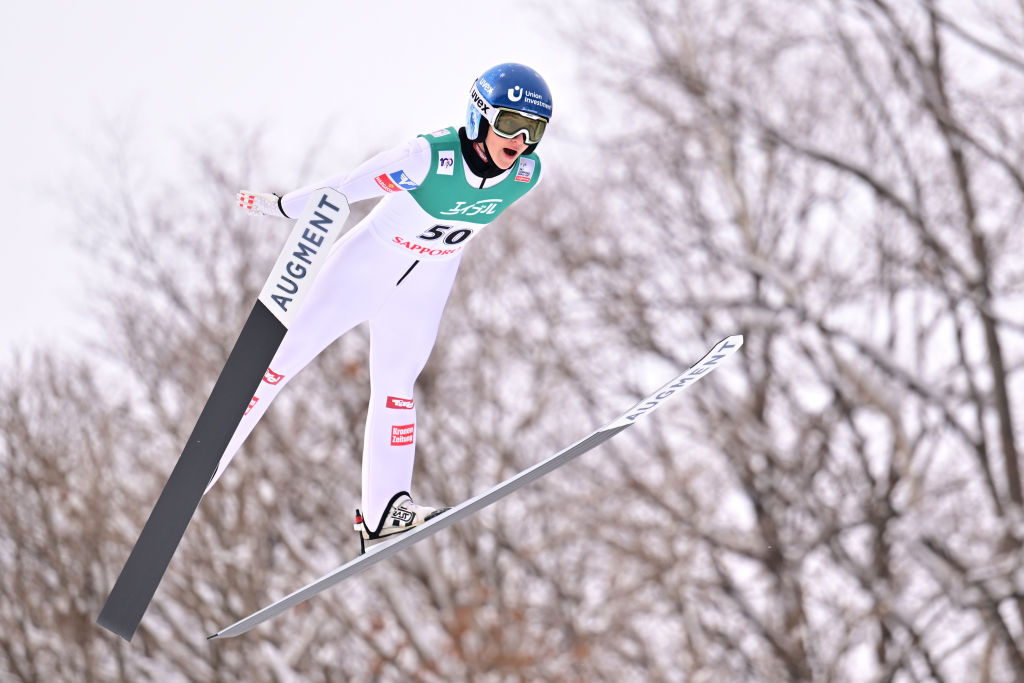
841	181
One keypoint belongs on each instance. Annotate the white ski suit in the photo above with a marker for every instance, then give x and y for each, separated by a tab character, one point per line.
394	269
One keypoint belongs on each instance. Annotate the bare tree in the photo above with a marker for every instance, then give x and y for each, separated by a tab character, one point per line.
508	384
838	180
841	181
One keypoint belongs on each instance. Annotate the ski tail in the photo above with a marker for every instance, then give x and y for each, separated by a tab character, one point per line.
310	242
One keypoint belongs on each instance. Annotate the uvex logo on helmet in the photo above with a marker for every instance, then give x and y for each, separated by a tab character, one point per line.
479	101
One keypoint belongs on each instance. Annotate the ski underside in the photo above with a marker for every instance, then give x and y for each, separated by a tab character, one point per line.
304	253
382	551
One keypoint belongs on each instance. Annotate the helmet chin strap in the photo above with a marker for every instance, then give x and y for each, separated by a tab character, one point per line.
482	151
480	143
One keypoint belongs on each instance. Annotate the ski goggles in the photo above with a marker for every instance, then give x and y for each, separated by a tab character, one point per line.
509	124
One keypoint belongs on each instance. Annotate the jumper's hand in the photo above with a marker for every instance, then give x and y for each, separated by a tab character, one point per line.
261	203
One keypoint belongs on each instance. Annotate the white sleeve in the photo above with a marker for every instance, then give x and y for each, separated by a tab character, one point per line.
372	178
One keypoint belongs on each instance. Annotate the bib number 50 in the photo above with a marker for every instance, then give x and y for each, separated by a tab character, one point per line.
441	231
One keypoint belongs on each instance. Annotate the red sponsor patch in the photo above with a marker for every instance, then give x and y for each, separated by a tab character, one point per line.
387	184
272	377
400	403
402	435
252	404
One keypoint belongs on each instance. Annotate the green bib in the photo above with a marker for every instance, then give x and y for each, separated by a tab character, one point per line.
445	193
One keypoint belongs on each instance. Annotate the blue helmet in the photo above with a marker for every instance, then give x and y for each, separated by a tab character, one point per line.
511	99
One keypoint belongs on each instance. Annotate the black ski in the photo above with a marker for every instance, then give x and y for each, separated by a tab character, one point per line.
305	251
682	381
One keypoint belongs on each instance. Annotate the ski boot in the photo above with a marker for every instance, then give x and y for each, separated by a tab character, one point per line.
402	514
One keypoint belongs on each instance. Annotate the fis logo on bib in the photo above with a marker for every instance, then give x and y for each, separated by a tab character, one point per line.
525	171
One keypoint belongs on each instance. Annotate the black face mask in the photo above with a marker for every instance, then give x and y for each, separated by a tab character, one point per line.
480	167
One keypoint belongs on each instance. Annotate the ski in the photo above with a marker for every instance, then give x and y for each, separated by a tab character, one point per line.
304	253
709	362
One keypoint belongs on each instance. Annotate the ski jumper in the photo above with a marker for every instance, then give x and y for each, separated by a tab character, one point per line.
394	269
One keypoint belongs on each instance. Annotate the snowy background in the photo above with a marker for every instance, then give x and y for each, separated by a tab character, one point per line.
838	180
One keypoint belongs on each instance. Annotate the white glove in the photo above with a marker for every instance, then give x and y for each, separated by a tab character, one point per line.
261	203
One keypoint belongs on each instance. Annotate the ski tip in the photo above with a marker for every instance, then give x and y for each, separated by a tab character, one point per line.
732	341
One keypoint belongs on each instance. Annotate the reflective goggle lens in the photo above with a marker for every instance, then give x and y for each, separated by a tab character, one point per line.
509	124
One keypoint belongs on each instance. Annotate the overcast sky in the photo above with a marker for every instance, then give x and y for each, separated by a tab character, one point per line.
171	72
